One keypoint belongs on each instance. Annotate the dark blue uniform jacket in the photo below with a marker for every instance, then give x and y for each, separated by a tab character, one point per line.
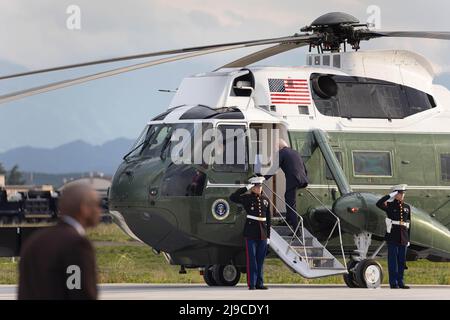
254	205
398	211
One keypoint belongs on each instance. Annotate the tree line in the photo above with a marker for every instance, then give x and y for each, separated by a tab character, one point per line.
13	176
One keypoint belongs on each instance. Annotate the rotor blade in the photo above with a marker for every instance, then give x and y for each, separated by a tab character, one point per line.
70	82
262	54
251	43
443	35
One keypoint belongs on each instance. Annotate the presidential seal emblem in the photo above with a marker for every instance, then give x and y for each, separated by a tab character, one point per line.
220	209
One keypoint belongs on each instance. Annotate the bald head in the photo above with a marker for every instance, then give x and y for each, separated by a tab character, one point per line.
81	202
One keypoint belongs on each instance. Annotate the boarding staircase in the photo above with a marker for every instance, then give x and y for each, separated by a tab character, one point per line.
298	248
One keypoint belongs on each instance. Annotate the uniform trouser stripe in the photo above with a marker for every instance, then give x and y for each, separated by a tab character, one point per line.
248	262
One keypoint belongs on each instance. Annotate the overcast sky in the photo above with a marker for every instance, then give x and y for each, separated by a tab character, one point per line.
33	34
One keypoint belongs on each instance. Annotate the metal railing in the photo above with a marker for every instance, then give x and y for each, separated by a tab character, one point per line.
337	224
299	225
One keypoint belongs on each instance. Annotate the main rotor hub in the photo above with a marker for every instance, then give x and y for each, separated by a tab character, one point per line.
333	30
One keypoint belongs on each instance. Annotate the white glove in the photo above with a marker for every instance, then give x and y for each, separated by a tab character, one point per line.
268	241
249	186
392	196
408	244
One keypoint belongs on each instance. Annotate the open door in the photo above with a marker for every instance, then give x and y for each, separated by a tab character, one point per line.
264	144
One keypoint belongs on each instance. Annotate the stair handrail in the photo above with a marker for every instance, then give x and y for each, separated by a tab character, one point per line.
301	223
338	224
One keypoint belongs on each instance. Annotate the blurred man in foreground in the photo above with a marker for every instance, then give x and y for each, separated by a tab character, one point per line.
59	262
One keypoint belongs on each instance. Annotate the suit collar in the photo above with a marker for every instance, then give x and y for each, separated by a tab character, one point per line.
75	224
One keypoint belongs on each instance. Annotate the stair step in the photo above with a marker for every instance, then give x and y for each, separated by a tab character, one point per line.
310	251
296	242
283	230
321	262
329	268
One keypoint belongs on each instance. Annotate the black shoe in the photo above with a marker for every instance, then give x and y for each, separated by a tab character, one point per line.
251	288
394	287
261	287
403	286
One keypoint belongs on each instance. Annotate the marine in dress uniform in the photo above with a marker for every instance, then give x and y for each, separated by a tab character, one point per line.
293	167
397	233
256	230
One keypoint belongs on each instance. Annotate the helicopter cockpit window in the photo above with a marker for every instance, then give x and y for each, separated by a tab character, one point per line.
183	180
156	140
137	146
230	153
358	97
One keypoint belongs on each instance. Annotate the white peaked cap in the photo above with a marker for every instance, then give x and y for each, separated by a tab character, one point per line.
399	187
256	180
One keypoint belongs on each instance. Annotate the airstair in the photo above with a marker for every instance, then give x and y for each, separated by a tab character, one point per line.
298	248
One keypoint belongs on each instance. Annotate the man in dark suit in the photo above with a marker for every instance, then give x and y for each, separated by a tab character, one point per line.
59	262
293	167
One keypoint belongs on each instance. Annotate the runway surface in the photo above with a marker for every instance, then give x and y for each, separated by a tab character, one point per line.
275	292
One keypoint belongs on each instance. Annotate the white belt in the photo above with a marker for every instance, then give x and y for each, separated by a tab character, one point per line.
401	223
390	222
256	218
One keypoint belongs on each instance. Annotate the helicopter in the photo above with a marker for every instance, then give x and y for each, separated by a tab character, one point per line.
362	121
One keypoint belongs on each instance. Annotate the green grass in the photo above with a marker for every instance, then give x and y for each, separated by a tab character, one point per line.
123	261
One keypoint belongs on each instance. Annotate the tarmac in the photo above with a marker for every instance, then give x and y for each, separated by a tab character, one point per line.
240	292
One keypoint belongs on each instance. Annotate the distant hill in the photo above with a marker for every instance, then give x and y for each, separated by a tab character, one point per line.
76	156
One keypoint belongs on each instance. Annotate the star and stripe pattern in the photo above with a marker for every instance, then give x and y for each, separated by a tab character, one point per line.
289	91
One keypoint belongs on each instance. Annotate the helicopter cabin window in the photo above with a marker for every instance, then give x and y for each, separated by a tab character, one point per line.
372	163
230	153
328	174
445	167
357	97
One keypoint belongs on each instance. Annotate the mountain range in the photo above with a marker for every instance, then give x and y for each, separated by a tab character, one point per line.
76	156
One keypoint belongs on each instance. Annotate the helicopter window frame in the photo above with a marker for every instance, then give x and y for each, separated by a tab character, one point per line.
391	164
215	167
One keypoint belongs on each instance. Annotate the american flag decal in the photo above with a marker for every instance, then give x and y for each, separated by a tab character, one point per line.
289	91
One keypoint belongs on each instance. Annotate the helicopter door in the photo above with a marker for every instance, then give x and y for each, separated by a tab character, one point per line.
263	143
229	170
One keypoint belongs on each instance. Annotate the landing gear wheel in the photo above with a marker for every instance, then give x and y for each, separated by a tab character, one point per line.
349	278
226	275
209	277
369	274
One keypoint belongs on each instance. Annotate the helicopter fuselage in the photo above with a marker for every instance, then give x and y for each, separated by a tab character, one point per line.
386	121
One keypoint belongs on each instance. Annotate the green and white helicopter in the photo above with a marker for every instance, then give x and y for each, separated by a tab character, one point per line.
362	120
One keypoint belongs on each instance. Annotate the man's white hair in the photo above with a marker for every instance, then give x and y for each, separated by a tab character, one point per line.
282	143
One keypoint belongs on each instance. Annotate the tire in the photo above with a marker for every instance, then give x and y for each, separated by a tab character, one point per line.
208	276
349	278
226	275
369	274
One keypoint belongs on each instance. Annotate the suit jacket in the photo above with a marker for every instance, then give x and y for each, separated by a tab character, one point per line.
257	206
44	262
293	167
396	210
